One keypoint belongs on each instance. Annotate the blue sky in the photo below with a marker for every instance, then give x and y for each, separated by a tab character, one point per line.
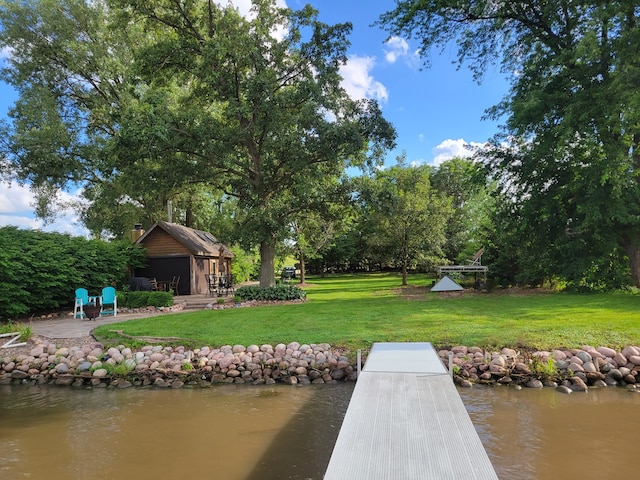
435	111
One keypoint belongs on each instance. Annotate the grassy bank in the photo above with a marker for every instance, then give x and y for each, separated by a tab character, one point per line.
357	310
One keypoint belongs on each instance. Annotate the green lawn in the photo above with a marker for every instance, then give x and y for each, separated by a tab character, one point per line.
356	310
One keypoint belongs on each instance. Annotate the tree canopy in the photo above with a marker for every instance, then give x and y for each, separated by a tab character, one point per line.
568	157
138	101
406	217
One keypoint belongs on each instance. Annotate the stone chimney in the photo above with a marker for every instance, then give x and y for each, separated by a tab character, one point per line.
137	232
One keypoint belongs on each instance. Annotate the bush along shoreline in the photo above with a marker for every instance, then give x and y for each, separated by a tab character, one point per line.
567	370
93	365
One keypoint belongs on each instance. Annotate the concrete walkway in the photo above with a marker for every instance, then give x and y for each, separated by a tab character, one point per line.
69	327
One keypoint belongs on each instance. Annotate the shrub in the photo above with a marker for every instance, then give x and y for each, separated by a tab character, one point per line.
545	370
279	292
40	271
10	327
141	299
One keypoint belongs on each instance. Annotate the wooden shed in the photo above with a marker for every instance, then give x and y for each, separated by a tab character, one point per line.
177	251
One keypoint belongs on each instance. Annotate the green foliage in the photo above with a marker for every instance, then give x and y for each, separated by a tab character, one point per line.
119	369
40	271
71	75
313	231
139	299
465	182
406	216
11	327
260	116
545	370
567	158
279	292
246	264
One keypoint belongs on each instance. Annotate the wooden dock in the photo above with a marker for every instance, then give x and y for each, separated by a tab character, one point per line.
405	421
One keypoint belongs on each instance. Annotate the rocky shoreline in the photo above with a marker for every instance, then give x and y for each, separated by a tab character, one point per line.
88	364
567	370
93	365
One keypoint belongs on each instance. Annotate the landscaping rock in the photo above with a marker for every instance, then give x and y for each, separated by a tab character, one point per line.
607	352
65	380
584	356
578	385
19	374
302	364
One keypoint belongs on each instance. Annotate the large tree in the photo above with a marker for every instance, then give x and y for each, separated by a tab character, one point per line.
140	101
568	157
406	215
71	64
465	182
259	108
70	71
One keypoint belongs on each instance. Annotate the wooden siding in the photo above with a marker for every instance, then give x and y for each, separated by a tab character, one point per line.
199	270
160	243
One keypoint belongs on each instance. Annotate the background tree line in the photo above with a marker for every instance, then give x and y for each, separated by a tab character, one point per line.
242	125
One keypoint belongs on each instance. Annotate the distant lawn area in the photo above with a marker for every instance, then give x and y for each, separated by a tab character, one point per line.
354	311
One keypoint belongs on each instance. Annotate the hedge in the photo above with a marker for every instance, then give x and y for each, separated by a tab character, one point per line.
279	292
141	299
40	271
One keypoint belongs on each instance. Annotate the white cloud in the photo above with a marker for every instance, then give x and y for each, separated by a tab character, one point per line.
16	209
5	52
244	9
397	48
357	81
14	198
450	148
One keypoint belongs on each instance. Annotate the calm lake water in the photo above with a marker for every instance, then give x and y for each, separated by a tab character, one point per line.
245	432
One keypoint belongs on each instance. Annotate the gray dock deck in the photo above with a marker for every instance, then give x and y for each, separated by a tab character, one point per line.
462	269
405	421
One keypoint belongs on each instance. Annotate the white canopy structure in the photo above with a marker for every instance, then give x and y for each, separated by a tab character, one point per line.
446	285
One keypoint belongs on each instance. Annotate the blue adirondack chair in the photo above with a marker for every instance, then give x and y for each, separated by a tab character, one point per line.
109	301
82	300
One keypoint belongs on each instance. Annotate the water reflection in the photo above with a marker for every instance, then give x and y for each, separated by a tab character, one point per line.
232	432
542	434
243	432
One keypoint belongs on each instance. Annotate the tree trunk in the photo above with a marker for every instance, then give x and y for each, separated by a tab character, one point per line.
404	273
633	252
302	268
267	257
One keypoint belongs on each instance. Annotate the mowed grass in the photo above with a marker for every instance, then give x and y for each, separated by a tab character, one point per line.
355	311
